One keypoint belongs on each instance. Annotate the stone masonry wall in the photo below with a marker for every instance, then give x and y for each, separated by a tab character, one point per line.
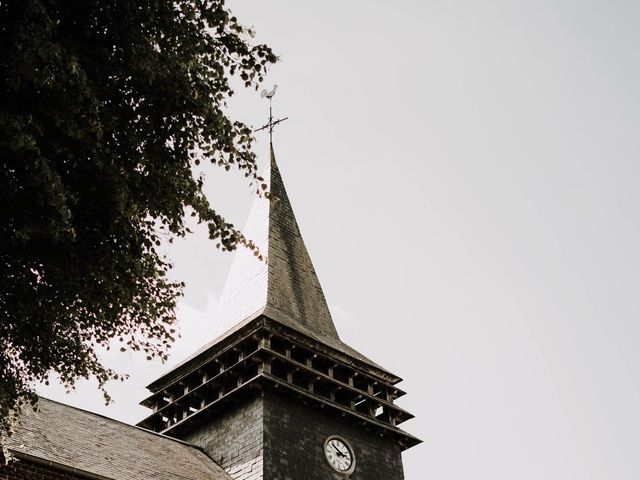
235	439
294	440
271	436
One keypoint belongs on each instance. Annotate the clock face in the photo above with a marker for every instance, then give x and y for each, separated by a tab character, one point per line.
339	455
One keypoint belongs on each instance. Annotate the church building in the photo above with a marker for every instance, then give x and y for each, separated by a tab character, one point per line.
276	395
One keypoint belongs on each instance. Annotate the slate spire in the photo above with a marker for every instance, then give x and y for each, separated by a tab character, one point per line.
284	286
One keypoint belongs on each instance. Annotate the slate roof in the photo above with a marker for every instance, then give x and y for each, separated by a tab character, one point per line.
287	282
103	447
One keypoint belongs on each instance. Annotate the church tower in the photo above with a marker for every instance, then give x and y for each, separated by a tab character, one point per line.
277	395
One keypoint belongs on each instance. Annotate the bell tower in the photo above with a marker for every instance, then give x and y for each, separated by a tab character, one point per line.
276	394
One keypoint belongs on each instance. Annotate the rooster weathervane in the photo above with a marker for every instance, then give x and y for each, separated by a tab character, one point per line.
271	123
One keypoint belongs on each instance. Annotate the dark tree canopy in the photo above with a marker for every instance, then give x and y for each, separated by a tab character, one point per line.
106	106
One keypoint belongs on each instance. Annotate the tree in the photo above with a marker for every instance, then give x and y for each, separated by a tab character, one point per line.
106	107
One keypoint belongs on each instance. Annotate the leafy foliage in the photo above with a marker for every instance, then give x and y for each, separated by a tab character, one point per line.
106	107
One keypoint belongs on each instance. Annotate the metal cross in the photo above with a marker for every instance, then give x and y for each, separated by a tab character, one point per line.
271	123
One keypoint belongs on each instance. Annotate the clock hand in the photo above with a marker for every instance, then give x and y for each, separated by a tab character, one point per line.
338	451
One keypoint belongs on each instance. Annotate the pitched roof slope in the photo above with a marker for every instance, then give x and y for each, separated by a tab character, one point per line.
101	446
285	287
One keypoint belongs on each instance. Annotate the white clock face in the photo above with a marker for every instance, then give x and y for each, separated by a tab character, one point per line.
339	455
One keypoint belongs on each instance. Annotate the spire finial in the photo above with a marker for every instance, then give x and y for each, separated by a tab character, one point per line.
271	123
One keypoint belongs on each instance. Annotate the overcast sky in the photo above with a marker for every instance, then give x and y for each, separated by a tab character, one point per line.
465	175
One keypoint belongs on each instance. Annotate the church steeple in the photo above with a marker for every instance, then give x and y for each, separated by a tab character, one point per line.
284	286
276	374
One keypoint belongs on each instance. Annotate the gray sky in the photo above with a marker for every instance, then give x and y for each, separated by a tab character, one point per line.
465	175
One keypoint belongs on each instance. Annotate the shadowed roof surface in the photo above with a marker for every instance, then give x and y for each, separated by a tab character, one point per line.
285	287
101	446
286	282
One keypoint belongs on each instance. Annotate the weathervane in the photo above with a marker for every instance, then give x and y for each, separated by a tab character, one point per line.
272	123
